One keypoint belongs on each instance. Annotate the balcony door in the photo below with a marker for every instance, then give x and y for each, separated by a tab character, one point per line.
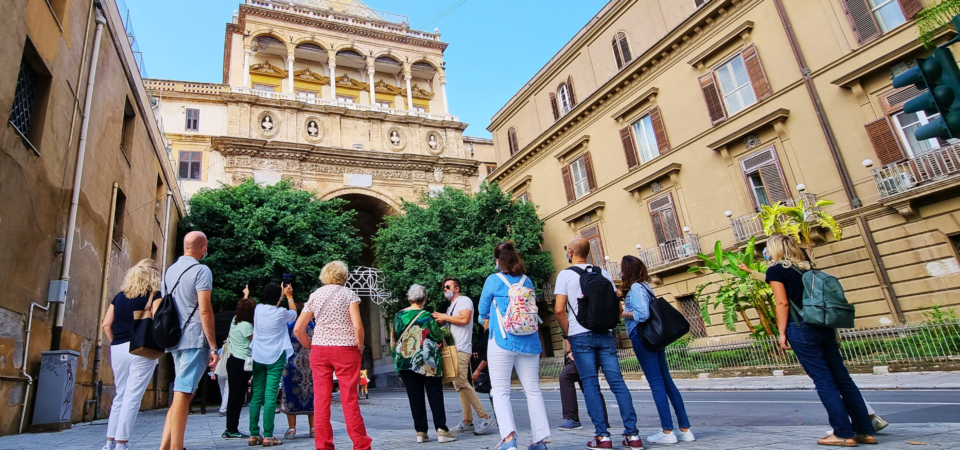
666	227
592	235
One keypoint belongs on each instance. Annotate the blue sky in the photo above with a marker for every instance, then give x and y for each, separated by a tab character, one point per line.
495	45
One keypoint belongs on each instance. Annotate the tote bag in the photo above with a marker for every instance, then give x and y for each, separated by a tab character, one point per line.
451	360
664	326
142	342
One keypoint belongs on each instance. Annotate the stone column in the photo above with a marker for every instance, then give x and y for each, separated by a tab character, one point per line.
371	71
290	89
443	91
407	76
246	68
333	79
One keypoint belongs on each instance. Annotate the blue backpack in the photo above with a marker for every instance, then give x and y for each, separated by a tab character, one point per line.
824	304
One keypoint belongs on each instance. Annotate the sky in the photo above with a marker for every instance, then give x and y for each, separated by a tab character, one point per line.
495	46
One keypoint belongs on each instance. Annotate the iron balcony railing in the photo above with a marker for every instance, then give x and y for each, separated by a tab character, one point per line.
670	252
929	167
749	225
915	343
341	104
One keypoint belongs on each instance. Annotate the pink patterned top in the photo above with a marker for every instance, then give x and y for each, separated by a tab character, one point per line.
330	306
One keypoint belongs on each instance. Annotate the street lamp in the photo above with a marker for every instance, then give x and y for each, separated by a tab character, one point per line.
868	163
638	249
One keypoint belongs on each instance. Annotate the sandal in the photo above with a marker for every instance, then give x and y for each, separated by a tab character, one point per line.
272	442
835	441
311	432
290	434
865	439
254	440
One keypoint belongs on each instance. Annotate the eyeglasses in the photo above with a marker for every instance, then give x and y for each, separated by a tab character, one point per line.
448	287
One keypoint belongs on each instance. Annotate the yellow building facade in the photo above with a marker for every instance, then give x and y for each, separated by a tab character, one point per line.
665	124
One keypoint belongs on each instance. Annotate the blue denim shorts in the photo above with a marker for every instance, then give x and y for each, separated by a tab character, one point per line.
189	365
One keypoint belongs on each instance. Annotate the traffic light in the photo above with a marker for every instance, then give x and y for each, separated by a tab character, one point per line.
940	76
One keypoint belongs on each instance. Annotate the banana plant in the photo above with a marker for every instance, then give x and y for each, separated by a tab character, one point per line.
798	221
737	291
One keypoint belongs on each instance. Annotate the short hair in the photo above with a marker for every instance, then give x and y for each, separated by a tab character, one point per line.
508	259
455	280
272	293
335	272
417	294
244	311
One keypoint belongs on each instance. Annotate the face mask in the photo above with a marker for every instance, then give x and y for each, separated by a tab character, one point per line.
204	255
569	259
448	295
496	264
620	275
766	255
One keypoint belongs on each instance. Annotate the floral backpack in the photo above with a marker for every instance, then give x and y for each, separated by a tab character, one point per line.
521	318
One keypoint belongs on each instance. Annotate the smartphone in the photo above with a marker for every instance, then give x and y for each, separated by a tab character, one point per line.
288	279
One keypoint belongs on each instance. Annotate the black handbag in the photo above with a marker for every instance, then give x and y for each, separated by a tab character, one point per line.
664	326
142	342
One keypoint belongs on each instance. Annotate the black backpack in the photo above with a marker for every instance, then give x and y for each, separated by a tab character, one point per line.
598	309
166	322
664	326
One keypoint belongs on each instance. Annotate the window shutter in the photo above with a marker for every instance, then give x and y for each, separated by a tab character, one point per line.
512	141
658	227
573	98
664	216
758	78
184	169
568	183
773	182
910	8
555	106
884	141
616	54
629	147
625	48
663	144
195	170
861	19
711	95
588	167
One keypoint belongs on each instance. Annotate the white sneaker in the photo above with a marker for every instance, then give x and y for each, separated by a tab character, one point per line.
422	437
663	438
121	447
878	423
110	445
485	425
685	436
462	428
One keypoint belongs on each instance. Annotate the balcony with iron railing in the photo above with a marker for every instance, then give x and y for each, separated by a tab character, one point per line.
670	253
919	172
749	225
349	13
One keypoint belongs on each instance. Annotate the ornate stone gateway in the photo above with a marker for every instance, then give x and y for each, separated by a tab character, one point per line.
368	282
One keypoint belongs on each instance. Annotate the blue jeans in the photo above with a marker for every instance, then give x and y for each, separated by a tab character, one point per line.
589	349
819	354
654	365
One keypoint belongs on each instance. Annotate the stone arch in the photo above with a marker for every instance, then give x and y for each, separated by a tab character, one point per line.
348	46
308	40
387	53
386	198
248	40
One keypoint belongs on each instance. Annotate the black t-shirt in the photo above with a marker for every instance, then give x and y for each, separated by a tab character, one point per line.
792	280
123	309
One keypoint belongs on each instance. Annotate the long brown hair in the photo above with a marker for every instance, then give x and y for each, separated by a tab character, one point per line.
244	311
632	270
508	259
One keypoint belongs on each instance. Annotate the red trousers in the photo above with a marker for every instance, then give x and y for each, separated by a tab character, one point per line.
346	362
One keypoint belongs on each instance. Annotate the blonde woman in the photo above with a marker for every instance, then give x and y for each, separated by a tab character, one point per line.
336	346
131	373
816	348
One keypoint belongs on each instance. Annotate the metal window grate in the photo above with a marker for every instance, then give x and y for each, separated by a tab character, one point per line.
22	110
691	311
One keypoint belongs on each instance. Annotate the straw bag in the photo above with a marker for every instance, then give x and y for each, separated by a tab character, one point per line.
451	360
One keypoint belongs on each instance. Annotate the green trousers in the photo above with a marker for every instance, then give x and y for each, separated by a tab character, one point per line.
265	383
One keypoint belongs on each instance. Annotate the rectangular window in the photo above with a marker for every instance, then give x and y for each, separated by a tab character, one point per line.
307	94
907	124
888	13
646	139
126	130
346	99
735	85
264	87
118	217
193	119
190	165
22	113
385	103
764	178
491	168
578	171
30	98
663	214
592	235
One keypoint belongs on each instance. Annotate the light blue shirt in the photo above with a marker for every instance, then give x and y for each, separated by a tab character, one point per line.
271	337
186	295
638	302
495	289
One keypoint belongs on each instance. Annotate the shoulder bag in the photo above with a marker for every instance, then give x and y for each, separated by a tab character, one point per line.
142	342
664	326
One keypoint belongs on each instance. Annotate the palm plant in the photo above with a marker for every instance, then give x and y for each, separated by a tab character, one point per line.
798	221
738	292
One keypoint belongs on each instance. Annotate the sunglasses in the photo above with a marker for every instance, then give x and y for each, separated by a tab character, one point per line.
448	288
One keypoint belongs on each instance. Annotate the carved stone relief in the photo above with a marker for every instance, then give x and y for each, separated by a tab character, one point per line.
434	142
312	129
267	124
395	138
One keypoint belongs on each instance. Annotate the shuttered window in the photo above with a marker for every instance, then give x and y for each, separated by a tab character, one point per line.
881	135
190	165
629	147
554	106
735	85
563	96
570	92
663	214
764	178
578	171
592	235
621	49
711	95
907	125
193	119
651	136
871	18
512	141
578	177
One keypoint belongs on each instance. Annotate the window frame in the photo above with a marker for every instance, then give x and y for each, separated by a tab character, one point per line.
195	119
922	120
881	21
738	89
579	165
655	151
192	157
621	40
564	100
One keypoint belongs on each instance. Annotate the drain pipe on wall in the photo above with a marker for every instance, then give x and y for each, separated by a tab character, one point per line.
97	384
23	368
818	106
77	178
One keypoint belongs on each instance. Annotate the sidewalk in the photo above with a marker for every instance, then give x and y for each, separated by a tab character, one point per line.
902	380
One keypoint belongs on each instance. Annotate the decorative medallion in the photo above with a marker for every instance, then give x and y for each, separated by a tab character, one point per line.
751	142
656	187
587	219
434	142
438	174
312	129
267	124
396	141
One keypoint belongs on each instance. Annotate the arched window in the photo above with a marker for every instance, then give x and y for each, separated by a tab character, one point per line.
563	96
621	50
512	141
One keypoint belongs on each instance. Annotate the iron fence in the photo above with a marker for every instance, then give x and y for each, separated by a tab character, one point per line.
925	342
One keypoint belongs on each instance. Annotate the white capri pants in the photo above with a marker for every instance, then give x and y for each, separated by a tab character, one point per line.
501	363
131	375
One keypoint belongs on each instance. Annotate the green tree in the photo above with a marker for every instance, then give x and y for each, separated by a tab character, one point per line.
454	234
258	233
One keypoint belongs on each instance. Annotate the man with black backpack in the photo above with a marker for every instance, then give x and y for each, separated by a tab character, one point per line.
588	309
184	318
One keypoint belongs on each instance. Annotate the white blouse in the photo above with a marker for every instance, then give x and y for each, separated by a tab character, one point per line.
271	337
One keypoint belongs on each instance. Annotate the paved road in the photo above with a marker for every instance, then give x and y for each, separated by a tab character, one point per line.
721	420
